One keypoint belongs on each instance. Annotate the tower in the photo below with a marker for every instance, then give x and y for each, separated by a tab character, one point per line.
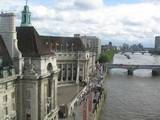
26	16
37	88
9	35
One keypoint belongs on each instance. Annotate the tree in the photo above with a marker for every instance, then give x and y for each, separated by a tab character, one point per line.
107	56
103	58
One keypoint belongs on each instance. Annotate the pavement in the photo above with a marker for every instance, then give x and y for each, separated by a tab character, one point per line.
67	93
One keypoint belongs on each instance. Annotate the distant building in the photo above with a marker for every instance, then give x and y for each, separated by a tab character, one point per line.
157	43
92	43
109	46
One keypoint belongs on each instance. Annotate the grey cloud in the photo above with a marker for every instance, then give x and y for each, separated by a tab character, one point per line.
83	6
126	21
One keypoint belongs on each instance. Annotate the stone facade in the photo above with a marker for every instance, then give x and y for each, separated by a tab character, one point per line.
73	66
33	94
157	43
30	65
7	95
92	43
37	90
74	60
7	84
9	35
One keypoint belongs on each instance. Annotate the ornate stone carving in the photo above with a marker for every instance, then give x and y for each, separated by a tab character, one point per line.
29	69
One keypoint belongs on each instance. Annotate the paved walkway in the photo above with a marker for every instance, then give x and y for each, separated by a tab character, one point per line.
67	93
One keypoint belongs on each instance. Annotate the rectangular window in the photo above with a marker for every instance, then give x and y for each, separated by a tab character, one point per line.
13	95
28	105
13	84
28	116
5	86
5	98
28	94
13	106
6	110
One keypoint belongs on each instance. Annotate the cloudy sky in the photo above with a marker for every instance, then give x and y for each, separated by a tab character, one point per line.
119	21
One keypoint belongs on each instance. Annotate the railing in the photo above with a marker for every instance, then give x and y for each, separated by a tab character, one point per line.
110	66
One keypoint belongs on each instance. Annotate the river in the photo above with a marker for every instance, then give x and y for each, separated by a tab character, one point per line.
134	97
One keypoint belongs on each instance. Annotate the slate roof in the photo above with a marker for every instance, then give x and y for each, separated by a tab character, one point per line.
4	54
31	44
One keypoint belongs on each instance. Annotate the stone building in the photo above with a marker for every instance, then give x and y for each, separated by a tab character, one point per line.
7	84
108	47
76	64
157	43
73	60
92	43
8	33
37	88
29	65
33	94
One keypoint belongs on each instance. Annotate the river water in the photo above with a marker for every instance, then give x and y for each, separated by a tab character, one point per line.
134	97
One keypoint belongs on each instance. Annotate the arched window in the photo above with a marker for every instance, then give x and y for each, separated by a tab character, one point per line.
24	19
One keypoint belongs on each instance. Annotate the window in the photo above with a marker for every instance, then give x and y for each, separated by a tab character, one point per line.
13	84
6	110
49	67
29	18
28	116
24	19
59	65
5	86
69	78
13	95
28	94
28	105
5	98
80	78
13	106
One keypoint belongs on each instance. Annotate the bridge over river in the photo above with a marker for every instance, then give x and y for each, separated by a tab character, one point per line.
131	51
155	68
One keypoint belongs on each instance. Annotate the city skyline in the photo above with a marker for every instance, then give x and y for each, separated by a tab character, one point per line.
111	20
